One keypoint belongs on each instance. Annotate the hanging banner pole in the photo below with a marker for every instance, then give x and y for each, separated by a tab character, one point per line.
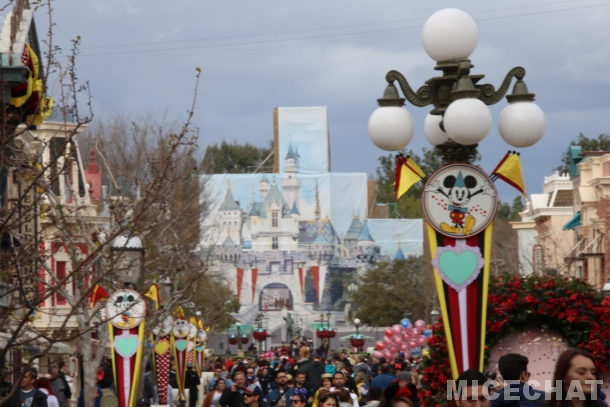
126	311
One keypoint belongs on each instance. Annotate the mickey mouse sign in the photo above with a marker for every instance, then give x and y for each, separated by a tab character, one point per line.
459	200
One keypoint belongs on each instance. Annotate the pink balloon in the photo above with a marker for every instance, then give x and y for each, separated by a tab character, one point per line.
412	344
422	340
388	332
420	324
388	355
380	345
404	347
397	340
396	328
378	354
415	332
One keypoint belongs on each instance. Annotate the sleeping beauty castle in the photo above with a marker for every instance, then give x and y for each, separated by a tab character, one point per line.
297	239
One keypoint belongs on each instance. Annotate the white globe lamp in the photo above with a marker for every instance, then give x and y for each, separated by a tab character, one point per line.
522	124
432	129
450	34
391	128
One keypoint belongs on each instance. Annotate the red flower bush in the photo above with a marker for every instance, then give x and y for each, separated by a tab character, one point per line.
571	307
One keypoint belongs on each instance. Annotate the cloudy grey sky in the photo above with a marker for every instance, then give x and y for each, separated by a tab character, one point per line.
140	57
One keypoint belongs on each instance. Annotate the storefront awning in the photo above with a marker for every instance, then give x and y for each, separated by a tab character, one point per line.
574	222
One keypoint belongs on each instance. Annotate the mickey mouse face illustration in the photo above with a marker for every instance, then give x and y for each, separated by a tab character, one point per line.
459	200
460	188
182	328
126	309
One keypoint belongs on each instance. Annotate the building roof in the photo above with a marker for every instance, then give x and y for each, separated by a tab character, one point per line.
229	203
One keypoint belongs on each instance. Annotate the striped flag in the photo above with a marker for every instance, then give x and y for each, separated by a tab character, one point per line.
97	294
509	170
408	173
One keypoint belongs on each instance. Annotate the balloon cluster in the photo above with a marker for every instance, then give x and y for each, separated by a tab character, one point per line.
406	337
268	355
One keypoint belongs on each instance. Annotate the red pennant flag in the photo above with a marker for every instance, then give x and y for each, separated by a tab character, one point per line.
97	294
301	281
254	276
315	275
238	281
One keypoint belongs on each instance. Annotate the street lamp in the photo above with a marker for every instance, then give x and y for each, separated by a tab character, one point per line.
460	118
459	199
357	341
238	327
128	256
126	311
434	314
260	333
325	331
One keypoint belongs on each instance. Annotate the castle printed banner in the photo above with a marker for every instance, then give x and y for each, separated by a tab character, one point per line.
291	238
303	135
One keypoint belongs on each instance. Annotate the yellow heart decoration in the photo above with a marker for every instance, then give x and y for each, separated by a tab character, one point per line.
161	348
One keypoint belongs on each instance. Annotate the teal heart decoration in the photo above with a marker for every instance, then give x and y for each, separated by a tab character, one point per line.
181	344
126	345
458	265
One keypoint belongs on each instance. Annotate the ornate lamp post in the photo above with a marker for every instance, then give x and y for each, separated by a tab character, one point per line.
459	118
260	334
239	336
459	199
325	331
357	341
128	255
126	312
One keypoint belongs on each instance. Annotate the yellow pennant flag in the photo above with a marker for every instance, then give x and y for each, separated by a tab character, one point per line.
509	170
153	294
408	174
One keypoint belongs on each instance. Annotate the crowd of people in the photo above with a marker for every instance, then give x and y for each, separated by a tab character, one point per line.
345	380
34	390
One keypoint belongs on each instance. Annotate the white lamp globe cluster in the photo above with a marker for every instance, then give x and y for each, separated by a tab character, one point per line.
450	36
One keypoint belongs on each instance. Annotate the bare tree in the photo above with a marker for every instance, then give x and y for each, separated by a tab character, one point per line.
56	238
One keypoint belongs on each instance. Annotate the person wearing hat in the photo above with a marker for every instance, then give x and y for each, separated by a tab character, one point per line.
326	380
252	396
